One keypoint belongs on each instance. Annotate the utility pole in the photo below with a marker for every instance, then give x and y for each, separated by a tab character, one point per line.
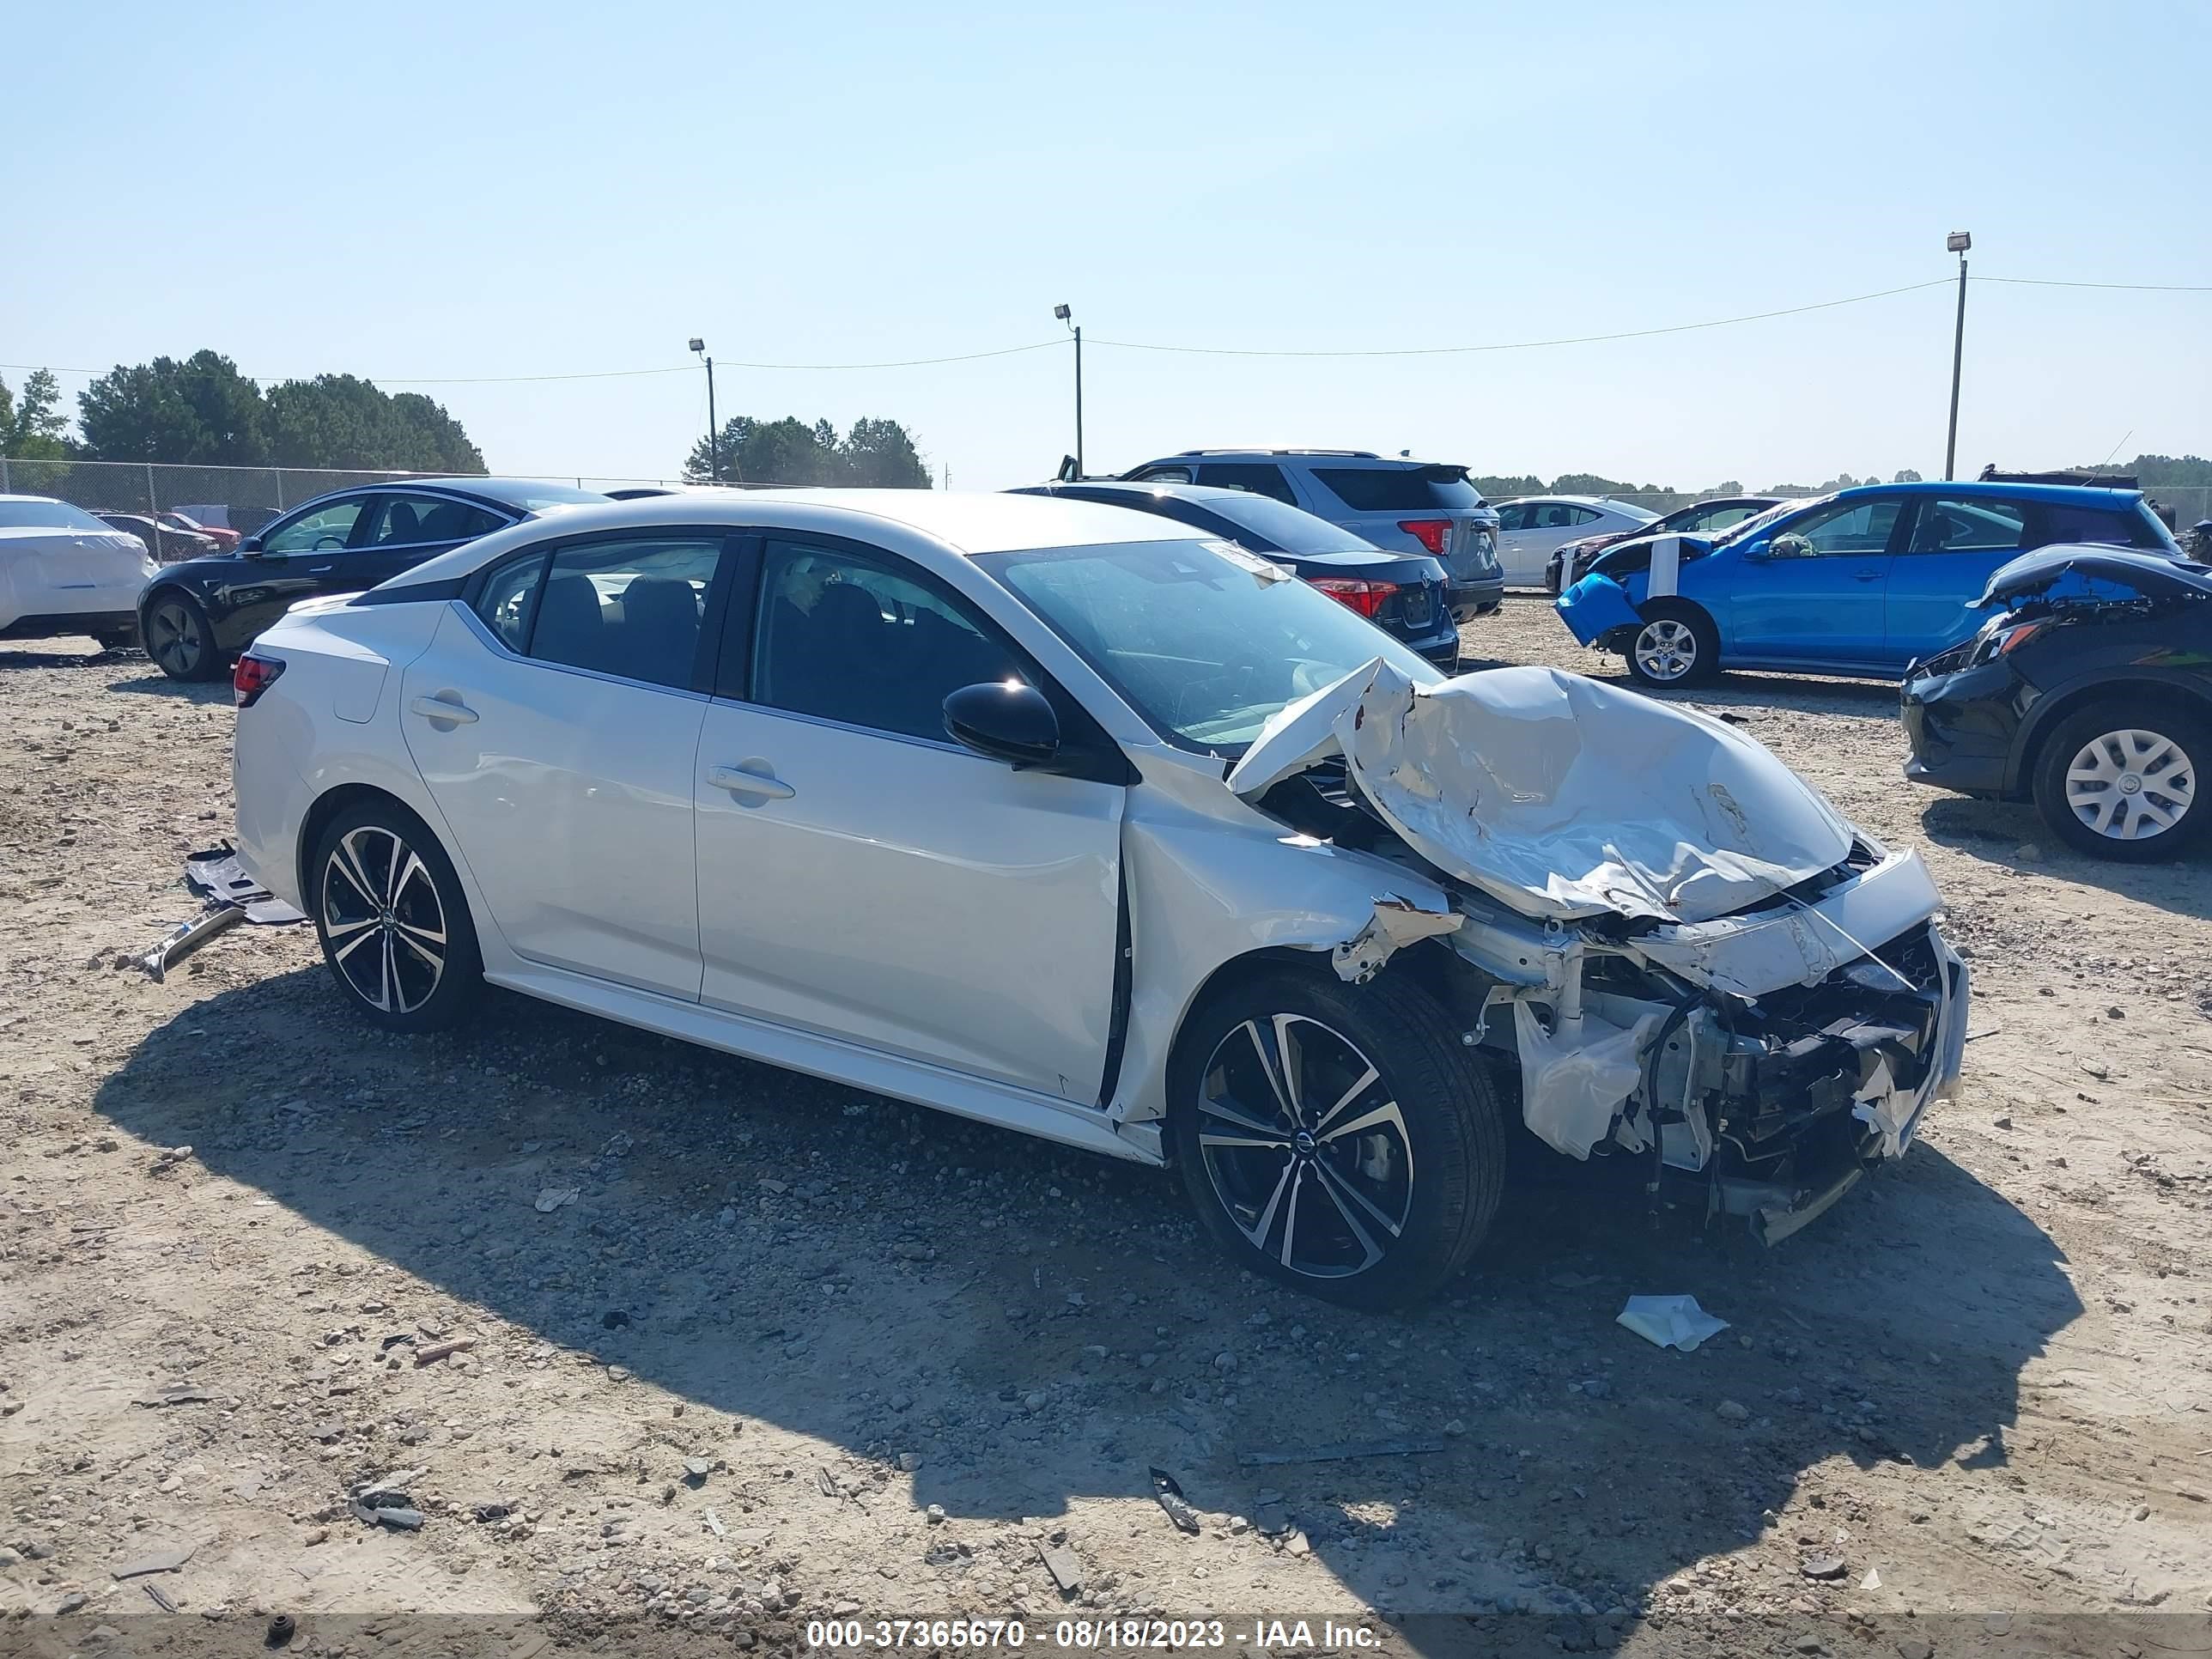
1066	316
1957	242
713	459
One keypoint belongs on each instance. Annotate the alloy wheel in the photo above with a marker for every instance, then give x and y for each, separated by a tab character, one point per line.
2130	785
1305	1148
1667	649
172	638
382	920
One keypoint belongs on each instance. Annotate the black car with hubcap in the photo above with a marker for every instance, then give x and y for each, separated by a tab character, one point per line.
2089	691
195	617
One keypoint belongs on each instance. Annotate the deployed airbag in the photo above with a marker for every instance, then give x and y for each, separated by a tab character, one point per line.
1560	796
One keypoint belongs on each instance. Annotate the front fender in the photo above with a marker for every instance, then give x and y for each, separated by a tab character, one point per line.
1595	606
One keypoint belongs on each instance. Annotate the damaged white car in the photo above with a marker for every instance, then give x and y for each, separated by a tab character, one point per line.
1049	814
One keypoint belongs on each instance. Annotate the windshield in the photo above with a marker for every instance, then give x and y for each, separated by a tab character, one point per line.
536	497
45	515
1290	528
1758	521
1203	640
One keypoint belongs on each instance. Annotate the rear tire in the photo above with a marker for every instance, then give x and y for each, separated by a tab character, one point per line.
1676	647
2118	782
180	639
393	920
1373	1193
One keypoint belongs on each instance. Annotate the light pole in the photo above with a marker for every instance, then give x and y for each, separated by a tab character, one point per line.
1957	242
1066	316
714	459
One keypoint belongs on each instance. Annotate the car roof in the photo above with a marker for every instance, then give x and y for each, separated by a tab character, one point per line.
967	523
1571	501
1181	492
1974	489
513	494
1361	458
55	500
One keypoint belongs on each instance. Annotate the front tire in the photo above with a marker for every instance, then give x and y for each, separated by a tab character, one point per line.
1337	1139
2120	782
180	639
1677	646
393	920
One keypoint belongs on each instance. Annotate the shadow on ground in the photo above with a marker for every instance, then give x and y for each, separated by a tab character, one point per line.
2013	835
913	1281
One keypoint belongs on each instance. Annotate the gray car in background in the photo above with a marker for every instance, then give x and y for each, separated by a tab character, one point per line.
1401	505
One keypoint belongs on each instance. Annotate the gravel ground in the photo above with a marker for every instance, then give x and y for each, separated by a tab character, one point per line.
791	1350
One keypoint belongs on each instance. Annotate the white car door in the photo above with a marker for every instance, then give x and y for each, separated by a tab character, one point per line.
1522	566
862	876
556	724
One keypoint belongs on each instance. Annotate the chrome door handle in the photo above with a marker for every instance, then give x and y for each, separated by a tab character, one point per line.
761	785
445	710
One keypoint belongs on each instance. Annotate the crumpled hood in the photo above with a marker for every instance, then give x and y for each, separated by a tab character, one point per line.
2090	573
1559	796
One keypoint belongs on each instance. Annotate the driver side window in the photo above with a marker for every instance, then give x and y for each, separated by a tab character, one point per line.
1848	527
864	643
324	531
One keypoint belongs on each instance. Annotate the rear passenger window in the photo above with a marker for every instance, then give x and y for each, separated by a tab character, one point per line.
630	608
2089	524
848	639
1260	478
509	600
1969	526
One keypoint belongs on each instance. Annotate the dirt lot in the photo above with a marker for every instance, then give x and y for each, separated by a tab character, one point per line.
913	1356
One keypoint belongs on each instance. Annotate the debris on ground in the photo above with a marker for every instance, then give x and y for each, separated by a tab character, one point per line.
550	1199
1066	1571
1341	1452
1169	1496
1670	1322
167	1560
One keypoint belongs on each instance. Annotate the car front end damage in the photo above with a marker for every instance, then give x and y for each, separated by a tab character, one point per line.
1685	954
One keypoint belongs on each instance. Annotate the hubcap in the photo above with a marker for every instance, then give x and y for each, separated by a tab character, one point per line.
1665	649
2130	785
1306	1149
174	637
382	922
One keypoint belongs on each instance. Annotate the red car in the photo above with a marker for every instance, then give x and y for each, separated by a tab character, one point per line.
223	539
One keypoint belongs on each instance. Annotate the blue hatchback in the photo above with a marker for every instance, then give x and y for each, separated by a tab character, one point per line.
1860	582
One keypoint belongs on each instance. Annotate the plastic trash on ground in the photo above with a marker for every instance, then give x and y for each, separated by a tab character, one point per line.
1670	1322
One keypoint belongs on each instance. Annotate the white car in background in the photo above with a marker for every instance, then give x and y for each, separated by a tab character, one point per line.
62	571
1085	823
1532	528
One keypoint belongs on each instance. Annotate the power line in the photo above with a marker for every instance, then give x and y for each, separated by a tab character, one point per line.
2131	288
1531	345
1221	351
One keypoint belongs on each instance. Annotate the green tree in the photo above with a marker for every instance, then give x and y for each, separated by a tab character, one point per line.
343	422
201	411
881	455
32	429
877	453
1905	475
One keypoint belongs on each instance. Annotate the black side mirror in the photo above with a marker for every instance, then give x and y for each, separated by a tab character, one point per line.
1004	719
249	544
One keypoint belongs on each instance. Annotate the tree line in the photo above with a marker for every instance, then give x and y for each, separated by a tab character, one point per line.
201	411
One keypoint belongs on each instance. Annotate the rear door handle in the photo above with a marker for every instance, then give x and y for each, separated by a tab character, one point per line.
1868	576
738	781
320	569
444	711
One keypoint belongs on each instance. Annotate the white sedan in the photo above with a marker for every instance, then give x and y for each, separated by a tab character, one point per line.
1533	528
1070	819
62	571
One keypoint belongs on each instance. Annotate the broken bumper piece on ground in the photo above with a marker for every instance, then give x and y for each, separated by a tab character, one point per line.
1690	956
229	896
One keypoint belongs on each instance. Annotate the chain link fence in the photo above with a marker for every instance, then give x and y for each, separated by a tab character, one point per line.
244	498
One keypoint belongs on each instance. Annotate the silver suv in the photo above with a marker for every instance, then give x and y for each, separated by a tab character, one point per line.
1404	506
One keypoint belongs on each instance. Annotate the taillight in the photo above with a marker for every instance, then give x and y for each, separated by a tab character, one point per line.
1367	597
1435	534
253	676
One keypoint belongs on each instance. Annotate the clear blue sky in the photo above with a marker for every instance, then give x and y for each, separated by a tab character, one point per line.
413	191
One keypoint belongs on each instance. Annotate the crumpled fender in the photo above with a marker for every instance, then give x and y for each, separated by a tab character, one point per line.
1593	607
